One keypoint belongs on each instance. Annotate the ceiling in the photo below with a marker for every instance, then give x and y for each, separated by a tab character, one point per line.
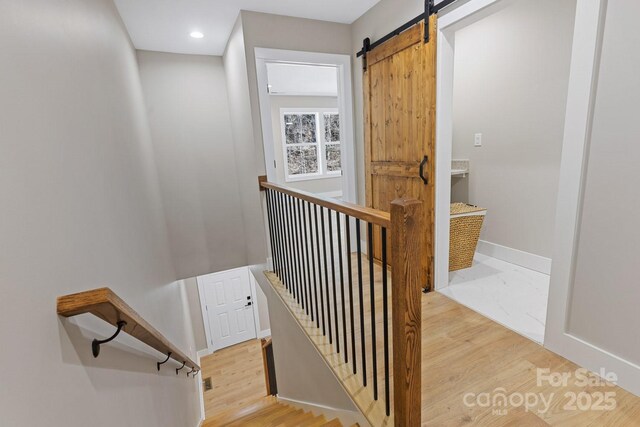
164	25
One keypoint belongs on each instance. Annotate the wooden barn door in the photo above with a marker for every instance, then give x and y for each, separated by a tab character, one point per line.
399	128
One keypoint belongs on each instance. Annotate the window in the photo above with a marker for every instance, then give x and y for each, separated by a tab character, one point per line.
311	143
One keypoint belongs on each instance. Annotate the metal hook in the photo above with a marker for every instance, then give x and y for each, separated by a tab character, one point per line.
177	369
192	371
165	361
95	345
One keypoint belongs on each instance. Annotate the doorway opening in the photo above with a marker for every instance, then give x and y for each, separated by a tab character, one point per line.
307	121
233	307
500	135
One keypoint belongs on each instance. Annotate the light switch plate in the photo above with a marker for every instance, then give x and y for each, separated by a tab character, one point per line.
477	142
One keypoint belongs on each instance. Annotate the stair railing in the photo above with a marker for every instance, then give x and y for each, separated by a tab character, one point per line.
372	324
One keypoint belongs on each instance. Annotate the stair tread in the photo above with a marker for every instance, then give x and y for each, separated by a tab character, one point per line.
268	412
318	421
233	414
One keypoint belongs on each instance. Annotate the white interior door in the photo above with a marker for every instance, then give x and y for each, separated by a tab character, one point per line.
228	307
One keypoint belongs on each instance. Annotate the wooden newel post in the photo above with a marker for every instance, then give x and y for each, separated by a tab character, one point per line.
407	237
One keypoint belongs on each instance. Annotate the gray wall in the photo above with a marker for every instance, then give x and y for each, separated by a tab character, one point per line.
186	100
263	307
248	149
607	255
510	84
81	209
311	381
323	185
252	30
195	309
381	19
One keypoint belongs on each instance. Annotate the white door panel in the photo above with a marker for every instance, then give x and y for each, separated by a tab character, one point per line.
229	310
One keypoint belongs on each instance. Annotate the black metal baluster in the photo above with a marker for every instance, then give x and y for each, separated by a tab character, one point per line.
313	267
270	224
372	298
285	240
276	236
351	302
301	255
283	243
315	208
292	253
326	273
305	246
385	321
272	232
333	280
362	340
297	256
342	305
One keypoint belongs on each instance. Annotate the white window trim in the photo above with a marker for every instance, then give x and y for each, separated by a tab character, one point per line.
321	144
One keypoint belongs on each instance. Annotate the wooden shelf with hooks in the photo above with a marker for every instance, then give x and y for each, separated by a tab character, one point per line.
108	306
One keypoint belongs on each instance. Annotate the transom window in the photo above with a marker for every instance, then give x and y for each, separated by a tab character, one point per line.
311	143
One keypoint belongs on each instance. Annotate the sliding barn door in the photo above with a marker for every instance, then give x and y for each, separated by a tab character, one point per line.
400	113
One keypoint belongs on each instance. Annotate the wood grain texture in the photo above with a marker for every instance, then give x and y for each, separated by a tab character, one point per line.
402	41
261	179
407	278
366	214
108	306
237	378
399	92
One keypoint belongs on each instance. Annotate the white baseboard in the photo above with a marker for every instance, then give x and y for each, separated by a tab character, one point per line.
595	359
515	256
346	417
204	353
264	334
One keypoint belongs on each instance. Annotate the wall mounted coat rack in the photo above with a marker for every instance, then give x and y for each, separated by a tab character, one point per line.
106	305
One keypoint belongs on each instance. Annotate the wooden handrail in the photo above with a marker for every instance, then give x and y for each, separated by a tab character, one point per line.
370	215
106	305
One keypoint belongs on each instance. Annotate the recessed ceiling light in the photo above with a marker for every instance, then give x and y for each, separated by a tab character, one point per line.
196	34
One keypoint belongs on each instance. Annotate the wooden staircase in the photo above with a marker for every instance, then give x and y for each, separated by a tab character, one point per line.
268	412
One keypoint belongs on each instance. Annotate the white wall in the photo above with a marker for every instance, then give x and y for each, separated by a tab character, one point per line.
186	100
603	302
81	208
510	85
324	185
298	79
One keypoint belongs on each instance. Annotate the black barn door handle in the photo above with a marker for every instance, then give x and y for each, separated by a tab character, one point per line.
422	164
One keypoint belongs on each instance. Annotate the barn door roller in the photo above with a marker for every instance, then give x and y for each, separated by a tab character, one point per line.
429	9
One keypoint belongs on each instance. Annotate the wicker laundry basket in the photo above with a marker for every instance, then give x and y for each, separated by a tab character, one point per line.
466	222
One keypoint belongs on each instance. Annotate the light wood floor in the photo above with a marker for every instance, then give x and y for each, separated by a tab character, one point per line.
464	353
237	377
